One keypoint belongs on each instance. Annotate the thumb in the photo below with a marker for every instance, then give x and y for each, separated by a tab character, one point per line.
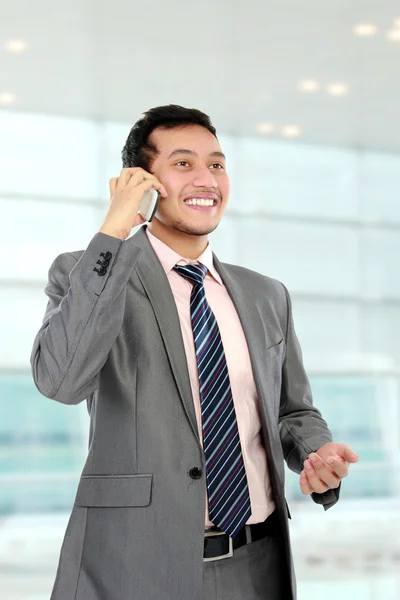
347	453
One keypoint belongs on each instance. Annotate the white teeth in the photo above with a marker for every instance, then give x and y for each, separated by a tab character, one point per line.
200	201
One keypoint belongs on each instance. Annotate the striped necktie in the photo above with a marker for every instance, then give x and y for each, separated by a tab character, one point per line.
228	492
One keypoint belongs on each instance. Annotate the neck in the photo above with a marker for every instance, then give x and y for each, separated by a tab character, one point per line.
188	246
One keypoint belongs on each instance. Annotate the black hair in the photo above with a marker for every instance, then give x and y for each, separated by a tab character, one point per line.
139	152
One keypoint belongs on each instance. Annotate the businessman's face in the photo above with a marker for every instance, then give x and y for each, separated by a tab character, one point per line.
191	166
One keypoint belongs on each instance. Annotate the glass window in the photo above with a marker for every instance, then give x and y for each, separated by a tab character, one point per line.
352	407
42	448
49	156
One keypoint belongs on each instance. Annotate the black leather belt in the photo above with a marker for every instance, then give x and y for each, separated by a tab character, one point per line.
218	545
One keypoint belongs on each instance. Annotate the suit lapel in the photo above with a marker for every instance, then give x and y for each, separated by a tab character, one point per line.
158	290
249	316
256	334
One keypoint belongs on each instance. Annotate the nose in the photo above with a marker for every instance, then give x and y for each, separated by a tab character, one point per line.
204	178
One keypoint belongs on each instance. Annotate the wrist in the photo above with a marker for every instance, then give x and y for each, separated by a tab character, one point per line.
113	232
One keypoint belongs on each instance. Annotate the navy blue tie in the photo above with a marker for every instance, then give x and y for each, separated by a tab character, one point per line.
228	492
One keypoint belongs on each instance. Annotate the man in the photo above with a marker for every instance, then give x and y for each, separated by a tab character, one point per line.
195	386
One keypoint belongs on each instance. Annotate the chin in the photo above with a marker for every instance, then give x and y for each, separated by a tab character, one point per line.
192	229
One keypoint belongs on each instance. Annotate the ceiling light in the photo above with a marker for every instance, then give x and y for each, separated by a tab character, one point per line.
266	128
365	29
309	85
394	35
337	89
7	98
16	46
291	131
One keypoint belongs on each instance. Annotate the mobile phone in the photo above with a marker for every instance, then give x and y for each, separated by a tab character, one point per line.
148	204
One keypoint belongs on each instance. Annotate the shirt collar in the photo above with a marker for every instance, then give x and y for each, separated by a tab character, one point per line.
169	258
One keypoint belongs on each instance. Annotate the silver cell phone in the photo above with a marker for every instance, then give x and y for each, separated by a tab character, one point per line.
148	204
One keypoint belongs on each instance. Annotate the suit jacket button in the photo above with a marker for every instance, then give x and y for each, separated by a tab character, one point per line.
107	255
103	263
195	473
102	271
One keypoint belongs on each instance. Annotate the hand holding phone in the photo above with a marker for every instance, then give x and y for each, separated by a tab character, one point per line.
135	195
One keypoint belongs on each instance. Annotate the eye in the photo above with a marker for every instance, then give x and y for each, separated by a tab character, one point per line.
181	162
218	165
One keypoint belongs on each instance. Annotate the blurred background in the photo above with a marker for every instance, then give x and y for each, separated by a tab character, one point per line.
305	97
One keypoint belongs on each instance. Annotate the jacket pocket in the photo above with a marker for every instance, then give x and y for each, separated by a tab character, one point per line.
114	490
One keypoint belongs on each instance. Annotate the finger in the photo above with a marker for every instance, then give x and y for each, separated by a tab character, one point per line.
126	175
324	472
113	185
154	183
348	454
314	480
339	466
140	176
304	485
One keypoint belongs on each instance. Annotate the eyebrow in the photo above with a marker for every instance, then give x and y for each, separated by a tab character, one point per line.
191	153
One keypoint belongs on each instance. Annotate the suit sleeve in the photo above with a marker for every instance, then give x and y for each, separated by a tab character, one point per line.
301	426
82	320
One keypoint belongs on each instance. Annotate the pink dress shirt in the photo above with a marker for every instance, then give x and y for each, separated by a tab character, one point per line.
239	367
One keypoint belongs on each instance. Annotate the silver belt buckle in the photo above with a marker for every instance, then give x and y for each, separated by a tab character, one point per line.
221	556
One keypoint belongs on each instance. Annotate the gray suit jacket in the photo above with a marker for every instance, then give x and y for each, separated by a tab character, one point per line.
111	335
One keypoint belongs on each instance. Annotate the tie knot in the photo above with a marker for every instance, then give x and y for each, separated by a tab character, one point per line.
194	273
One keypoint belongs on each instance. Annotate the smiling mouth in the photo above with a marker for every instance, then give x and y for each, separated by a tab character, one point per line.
201	202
